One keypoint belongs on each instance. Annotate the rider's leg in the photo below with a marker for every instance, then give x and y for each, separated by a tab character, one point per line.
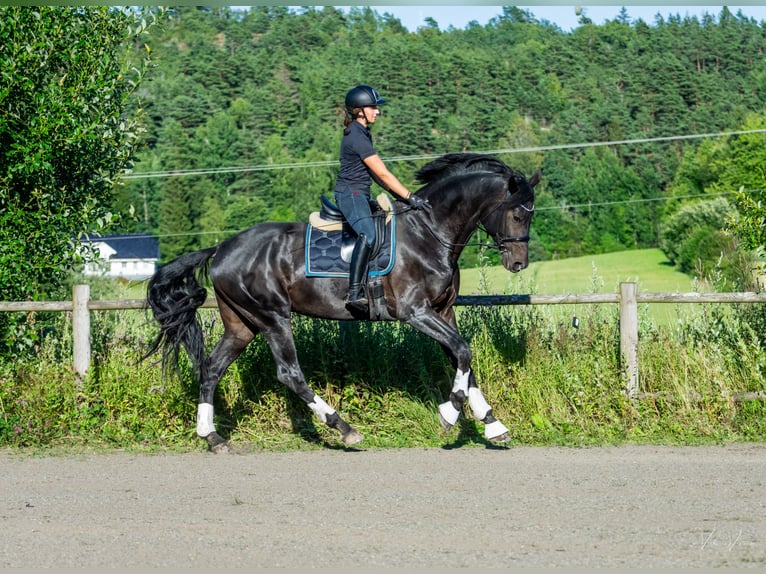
356	209
357	295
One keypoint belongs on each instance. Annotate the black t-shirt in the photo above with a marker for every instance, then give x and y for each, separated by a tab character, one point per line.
355	147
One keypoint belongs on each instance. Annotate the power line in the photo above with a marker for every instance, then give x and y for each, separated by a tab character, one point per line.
329	163
638	200
576	206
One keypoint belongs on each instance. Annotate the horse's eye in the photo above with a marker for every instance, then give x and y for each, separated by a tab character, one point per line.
516	219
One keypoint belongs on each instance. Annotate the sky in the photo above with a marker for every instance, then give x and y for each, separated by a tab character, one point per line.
565	17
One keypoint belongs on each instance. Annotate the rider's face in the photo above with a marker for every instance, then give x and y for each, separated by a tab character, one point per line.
371	113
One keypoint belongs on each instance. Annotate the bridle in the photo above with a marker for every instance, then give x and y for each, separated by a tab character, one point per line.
500	242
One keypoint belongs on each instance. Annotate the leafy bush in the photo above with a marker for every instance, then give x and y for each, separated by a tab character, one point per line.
678	228
703	250
67	78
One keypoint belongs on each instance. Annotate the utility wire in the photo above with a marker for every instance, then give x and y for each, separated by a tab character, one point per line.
191	172
269	167
575	206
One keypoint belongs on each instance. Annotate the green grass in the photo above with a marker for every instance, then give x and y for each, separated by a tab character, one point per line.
550	383
648	268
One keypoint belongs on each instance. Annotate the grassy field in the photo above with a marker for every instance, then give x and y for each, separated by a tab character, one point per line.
649	268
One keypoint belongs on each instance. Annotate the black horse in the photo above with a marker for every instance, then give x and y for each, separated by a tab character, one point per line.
259	280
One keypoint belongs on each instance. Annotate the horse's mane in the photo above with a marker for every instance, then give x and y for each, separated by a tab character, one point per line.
459	163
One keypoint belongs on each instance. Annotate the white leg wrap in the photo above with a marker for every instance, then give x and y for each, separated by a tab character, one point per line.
494	429
205	419
321	408
479	405
448	412
461	382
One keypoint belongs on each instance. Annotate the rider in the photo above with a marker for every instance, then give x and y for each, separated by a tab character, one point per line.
359	163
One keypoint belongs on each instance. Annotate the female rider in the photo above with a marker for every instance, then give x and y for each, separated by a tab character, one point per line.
359	164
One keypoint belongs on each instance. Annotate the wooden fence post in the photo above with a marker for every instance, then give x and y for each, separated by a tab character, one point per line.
81	328
629	337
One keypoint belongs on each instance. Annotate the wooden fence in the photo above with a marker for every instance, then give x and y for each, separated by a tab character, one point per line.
628	299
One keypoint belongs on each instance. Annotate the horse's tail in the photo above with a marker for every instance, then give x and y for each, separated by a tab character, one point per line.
174	294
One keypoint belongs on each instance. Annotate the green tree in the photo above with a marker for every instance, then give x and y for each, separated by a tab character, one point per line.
750	226
742	168
264	86
176	218
679	227
67	76
212	222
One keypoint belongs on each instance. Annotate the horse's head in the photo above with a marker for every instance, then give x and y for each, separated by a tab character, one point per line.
508	223
505	213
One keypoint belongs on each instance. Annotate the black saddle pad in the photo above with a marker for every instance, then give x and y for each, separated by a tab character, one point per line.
323	253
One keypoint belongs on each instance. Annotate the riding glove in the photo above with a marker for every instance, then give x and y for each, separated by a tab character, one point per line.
417	202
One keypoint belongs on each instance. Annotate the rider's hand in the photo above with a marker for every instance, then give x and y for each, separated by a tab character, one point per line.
417	202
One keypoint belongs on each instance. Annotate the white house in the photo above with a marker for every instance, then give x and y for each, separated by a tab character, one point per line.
132	256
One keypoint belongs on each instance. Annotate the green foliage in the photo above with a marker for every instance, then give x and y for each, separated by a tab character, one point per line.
704	250
260	90
750	226
68	74
693	218
742	168
549	381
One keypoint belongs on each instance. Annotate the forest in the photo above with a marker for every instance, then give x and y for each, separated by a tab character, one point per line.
243	119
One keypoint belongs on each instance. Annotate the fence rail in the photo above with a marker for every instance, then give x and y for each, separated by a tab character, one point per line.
628	299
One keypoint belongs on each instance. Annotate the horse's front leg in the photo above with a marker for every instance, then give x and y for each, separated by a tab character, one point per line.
444	329
463	388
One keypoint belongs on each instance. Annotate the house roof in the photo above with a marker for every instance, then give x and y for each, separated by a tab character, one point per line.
129	246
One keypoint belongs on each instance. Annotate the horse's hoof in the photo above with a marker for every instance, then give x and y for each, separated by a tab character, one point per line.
217	444
445	424
222	448
502	438
352	437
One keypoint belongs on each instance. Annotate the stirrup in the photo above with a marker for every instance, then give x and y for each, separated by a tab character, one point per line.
357	299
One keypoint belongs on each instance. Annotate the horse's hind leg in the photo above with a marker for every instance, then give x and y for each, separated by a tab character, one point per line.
235	338
280	338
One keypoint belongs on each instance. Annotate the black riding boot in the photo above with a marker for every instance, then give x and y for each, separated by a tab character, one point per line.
357	297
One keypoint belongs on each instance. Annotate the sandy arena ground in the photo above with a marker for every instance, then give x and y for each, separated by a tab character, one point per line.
469	507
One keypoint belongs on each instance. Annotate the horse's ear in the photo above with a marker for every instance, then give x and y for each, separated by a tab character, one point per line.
535	179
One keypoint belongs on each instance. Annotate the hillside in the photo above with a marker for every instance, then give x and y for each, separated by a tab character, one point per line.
251	99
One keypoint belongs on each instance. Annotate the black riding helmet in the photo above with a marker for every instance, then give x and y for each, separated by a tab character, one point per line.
362	96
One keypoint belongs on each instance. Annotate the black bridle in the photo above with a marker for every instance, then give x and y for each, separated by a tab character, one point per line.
501	241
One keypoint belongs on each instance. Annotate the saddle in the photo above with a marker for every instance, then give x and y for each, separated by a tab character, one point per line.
330	218
330	242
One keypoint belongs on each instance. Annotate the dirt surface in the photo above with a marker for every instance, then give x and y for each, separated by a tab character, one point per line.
631	506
